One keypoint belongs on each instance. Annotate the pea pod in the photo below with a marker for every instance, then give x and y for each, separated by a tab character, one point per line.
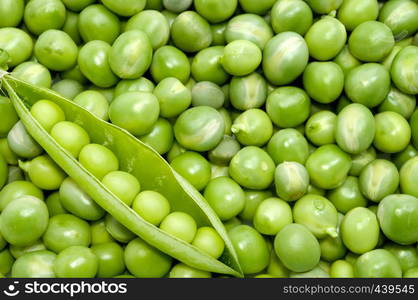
141	161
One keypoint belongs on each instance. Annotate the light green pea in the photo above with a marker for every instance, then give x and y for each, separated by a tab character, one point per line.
404	70
291	181
378	263
253	128
248	92
393	132
359	161
347	196
320	128
408	177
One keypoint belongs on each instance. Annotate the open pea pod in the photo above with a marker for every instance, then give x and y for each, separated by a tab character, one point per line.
153	172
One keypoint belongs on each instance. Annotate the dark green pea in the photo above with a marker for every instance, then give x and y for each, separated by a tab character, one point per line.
404	26
125	8
291	180
288	106
249	27
253	128
93	60
368	84
346	60
225	151
191	38
288	145
355	128
18	251
169	61
96	22
194	167
68	88
154	24
328	166
77	202
347	196
323	81
99	234
9	116
414	128
272	215
341	269
408	177
371	41
378	263
207	65
404	70
297	248
355	12
117	230
402	157
320	128
37	264
252	201
393	133
251	248
406	255
175	151
398	220
252	168
360	230
66	230
54	205
16	190
33	73
285	57
218	34
77	5
379	179
359	161
11	12
199	128
215	11
41	15
326	46
17	43
6	261
183	271
21	143
110	259
291	15
161	136
76	262
141	84
225	196
248	92
206	93
398	102
70	27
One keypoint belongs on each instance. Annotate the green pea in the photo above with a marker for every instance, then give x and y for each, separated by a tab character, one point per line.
180	225
285	58
241	57
378	263
288	145
207	65
21	143
404	26
4	171
398	102
408	175
326	46
313	190
9	116
154	24
94	102
117	231
74	74
71	26
16	190
17	43
161	136
347	196
360	230
276	268
177	6
225	196
96	22
320	128
6	261
209	241
252	168
346	60
249	27
328	166
316	272
125	8
215	11
288	106
151	206
332	248
24	220
98	160
68	88
76	262
47	113
361	160
218	34
110	259
406	255
272	215
33	73
44	172
93	59
175	151
397	217
379	179
41	15
388	61
141	84
297	248
368	84
11	12
37	264
70	136
225	151
206	93
411	273
355	128
18	251
291	180
99	233
253	127
402	157
252	201
251	248
355	12
193	167
219	171
404	70
169	61
248	92
341	269
7	154
191	38
54	205
291	15
77	5
260	7
174	98
123	185
183	271
66	230
393	133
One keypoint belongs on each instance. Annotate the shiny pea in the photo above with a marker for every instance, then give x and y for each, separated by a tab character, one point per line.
47	113
332	248
184	271
252	201
70	26
248	92
219	171
94	102
272	215
355	12
260	7
41	15
393	133
70	136
180	225
98	160
37	264
377	263
404	70
117	230
347	196
207	65
401	27
402	157
288	145
285	57
18	251
110	258
209	241
346	60
406	255
218	34
177	6
398	102
361	160
6	261
21	143
215	11
77	5
241	57
360	230
141	84
408	176
397	216
388	61
99	234
341	269
225	151
125	8
54	205
11	12
33	73
16	42
18	189
161	136
68	88
290	15
173	96
169	61
291	180
206	93
76	262
320	128
252	127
